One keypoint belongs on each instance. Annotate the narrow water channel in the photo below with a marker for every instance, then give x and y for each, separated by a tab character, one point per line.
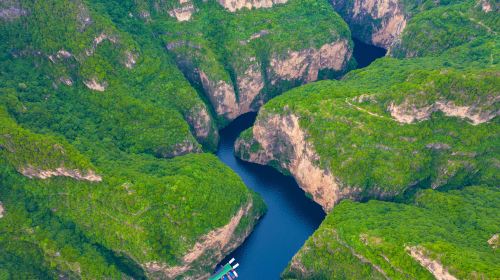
291	217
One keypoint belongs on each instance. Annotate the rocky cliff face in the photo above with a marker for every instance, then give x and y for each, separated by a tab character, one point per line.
282	142
305	65
234	5
407	113
2	210
215	244
294	66
377	22
33	172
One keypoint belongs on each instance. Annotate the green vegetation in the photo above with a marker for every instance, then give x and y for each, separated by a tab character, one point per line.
143	135
350	124
367	240
414	131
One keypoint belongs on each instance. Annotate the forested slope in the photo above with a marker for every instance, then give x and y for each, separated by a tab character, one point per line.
426	118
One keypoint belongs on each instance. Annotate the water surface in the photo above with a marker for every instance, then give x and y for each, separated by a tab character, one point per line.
291	217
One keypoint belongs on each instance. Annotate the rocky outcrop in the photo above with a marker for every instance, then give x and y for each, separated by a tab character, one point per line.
221	95
179	149
11	10
93	84
200	121
35	172
130	59
433	266
487	6
218	242
2	210
494	241
280	139
305	65
377	22
250	84
98	40
409	113
234	5
183	13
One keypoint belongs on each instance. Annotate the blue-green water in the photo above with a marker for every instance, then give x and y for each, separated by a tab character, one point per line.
291	217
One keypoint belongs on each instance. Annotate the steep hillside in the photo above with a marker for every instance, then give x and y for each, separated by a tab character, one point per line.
425	119
382	130
102	170
416	28
240	58
438	235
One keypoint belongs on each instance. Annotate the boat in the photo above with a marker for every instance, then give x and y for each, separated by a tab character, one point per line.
226	272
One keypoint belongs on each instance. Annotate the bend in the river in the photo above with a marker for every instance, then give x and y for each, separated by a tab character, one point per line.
291	217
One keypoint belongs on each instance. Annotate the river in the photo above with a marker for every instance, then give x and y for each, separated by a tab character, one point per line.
291	217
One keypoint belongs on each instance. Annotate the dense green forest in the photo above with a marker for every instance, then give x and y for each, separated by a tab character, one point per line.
423	117
375	239
110	111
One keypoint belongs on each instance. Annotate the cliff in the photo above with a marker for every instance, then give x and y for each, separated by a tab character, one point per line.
386	240
104	150
238	70
383	130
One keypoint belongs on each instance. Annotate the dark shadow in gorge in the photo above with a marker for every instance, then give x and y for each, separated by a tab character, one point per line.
365	54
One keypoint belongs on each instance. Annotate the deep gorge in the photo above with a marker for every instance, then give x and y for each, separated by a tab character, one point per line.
291	216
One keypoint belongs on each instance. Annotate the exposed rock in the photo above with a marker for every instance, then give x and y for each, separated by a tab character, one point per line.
2	210
305	64
282	140
494	241
221	95
408	113
434	266
98	40
183	13
250	85
254	36
176	44
438	146
382	20
63	54
34	172
83	17
199	119
180	149
95	85
486	6
66	81
130	59
11	13
234	5
218	240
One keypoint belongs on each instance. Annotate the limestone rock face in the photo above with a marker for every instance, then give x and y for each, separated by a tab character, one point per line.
184	12
433	266
218	242
33	172
377	22
234	5
407	113
305	64
2	210
93	84
297	66
201	122
221	95
280	139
